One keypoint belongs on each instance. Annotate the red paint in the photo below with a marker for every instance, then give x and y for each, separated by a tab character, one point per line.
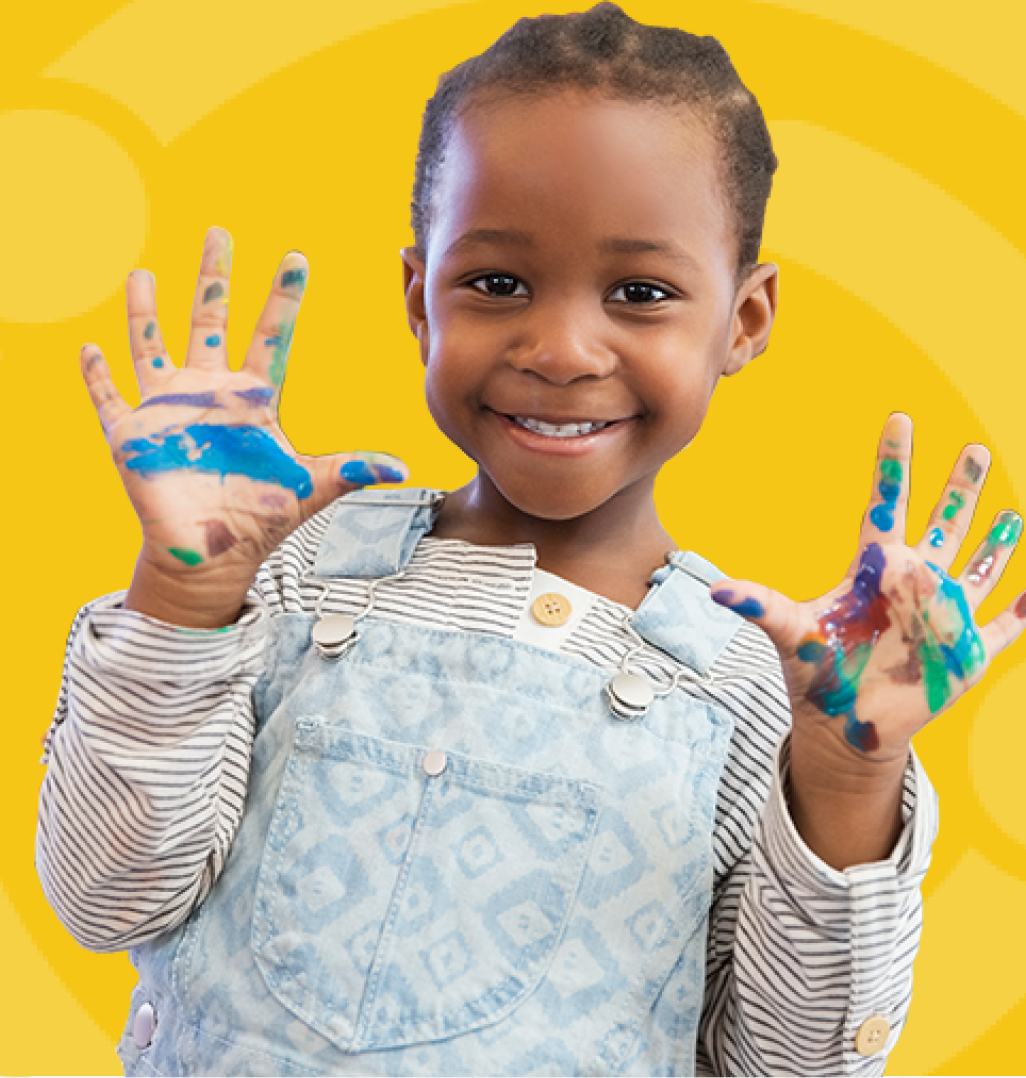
1020	606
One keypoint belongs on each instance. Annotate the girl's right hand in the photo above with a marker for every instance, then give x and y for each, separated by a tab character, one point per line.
213	479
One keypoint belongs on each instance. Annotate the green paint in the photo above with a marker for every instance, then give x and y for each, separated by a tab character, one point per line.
1006	530
190	557
956	502
281	341
935	676
891	469
150	330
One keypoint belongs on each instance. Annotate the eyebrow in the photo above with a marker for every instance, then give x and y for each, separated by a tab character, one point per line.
514	237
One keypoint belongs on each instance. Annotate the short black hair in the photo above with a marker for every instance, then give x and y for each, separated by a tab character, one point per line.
605	51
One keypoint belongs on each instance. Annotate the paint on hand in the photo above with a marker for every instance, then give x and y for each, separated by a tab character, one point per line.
193	400
956	499
190	557
293	277
219	537
363	473
218	450
213	341
259	395
157	361
972	470
750	608
213	291
952	645
891	475
937	538
1005	533
280	342
1020	606
842	644
150	330
223	265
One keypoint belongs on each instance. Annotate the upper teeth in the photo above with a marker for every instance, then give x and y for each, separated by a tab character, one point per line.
565	430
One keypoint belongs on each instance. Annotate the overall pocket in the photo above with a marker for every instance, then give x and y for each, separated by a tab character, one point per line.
412	894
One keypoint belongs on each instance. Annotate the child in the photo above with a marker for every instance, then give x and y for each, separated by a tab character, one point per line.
501	781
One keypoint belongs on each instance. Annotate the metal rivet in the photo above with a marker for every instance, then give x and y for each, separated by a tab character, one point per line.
629	696
334	634
435	762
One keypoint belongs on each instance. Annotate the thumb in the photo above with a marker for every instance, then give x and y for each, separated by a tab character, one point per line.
774	613
339	473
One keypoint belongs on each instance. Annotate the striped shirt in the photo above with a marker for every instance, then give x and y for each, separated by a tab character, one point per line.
148	757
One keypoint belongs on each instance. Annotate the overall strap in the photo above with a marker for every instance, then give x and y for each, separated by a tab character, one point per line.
373	532
678	616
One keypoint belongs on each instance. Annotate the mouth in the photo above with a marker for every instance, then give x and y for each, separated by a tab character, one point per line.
575	429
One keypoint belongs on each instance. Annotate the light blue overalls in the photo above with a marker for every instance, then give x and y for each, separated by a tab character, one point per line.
455	859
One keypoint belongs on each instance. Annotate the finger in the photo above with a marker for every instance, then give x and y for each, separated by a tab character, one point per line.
1004	629
884	521
152	366
988	562
779	617
269	349
338	474
102	391
952	515
207	347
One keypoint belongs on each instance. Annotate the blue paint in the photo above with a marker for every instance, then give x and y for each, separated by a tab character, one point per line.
891	475
750	608
937	538
964	658
388	474
213	341
258	395
882	517
357	471
194	400
158	362
218	450
294	276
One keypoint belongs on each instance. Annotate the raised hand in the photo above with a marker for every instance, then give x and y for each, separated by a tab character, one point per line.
896	642
213	479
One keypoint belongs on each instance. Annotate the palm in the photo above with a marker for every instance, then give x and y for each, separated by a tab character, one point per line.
208	470
896	642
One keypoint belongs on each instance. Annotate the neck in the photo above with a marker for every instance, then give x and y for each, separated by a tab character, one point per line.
612	550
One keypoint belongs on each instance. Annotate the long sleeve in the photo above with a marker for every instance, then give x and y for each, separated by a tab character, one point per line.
147	756
807	962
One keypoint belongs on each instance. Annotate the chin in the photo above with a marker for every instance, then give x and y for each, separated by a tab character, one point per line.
544	501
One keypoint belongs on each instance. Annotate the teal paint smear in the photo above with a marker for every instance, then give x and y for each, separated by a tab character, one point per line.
292	277
281	342
956	501
891	475
190	557
218	450
213	341
937	538
961	659
158	362
150	330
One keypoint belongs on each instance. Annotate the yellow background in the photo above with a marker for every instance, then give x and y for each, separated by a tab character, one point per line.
900	228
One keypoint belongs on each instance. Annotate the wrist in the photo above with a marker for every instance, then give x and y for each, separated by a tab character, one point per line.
194	602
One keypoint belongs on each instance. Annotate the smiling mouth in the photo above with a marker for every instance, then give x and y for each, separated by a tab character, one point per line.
560	430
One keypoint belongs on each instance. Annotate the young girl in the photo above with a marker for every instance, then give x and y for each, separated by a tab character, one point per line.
501	781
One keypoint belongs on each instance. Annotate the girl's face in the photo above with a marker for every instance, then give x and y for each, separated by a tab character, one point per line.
578	302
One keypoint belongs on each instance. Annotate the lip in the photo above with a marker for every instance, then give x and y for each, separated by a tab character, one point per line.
576	446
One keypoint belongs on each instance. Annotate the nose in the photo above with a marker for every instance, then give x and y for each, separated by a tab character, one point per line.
562	343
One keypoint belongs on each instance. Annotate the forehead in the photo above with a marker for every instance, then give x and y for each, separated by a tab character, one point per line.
574	167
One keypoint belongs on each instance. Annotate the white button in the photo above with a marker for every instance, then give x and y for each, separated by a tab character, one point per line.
142	1027
435	762
872	1035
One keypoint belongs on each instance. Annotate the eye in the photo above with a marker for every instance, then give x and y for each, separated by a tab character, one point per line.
499	284
638	293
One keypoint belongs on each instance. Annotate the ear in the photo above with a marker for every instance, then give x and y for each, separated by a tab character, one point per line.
755	307
413	287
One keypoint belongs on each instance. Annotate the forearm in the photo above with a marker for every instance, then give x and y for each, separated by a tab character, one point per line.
147	766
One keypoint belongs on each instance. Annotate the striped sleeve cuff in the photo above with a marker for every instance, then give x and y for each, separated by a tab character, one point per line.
869	914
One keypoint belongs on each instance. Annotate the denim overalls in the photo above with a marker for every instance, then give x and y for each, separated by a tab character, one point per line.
455	857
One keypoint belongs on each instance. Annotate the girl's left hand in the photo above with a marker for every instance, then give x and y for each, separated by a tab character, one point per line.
895	643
